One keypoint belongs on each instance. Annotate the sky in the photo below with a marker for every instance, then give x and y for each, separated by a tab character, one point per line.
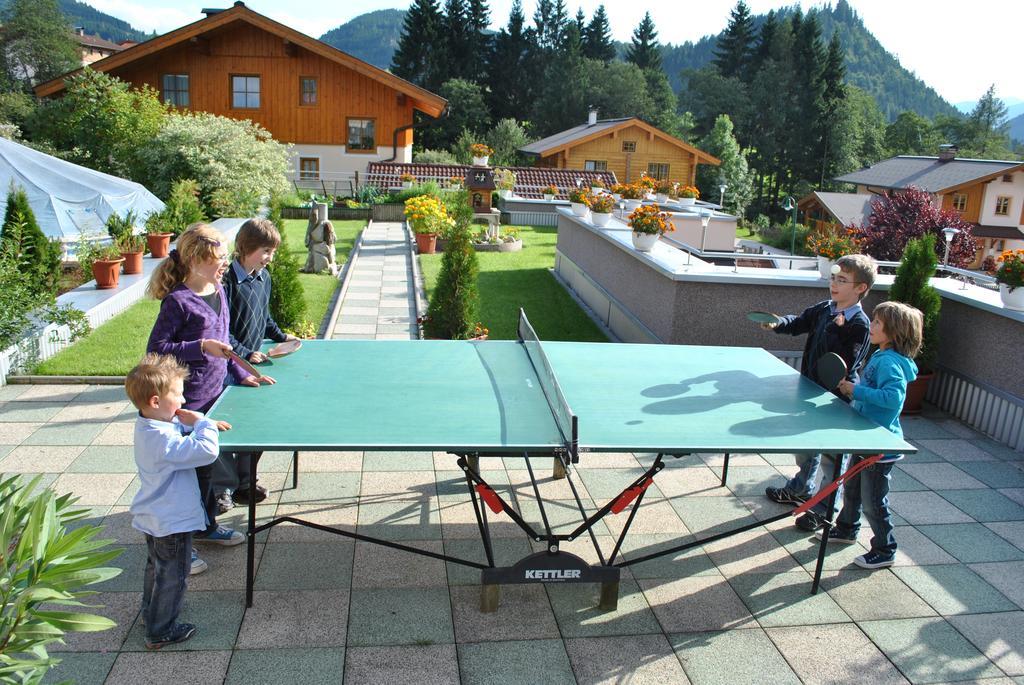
957	48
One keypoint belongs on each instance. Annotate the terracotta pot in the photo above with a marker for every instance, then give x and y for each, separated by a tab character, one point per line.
132	262
426	243
107	272
159	244
915	393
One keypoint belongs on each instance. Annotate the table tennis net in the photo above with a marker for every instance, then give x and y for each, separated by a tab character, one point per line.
560	409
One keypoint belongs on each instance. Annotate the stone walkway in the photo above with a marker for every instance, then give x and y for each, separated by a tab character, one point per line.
328	610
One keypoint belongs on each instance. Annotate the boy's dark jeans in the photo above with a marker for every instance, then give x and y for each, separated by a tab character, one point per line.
869	490
204	474
231	471
163	590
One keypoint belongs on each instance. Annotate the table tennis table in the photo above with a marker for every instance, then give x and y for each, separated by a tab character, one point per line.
478	399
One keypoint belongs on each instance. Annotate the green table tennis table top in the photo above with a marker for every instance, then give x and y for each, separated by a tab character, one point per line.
469	396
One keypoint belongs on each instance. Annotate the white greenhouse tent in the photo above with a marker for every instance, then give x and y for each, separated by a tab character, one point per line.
70	200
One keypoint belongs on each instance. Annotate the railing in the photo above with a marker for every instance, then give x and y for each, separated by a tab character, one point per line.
331	183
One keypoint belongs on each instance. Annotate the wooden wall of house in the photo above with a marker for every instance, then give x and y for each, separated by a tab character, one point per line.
241	49
974	196
649	149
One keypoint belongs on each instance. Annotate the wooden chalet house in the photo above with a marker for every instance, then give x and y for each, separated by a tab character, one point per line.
627	147
338	112
988	193
821	210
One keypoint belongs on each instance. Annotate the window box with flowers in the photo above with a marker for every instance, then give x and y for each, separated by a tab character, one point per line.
505	182
427	217
829	244
407	180
649	223
601	208
480	153
688	195
579	200
549	192
1010	275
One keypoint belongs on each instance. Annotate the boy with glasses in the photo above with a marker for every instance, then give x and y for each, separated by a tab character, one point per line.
838	325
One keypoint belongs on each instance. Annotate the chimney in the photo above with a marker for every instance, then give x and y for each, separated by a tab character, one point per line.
79	30
592	116
947	153
209	11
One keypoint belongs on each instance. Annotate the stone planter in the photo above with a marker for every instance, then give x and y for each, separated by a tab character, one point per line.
480	161
1012	299
514	246
645	242
107	272
426	243
159	244
600	219
132	262
825	267
579	209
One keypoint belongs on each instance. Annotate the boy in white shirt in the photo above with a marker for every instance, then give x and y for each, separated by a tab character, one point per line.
170	442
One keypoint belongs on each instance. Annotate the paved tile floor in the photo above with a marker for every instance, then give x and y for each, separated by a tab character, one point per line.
328	610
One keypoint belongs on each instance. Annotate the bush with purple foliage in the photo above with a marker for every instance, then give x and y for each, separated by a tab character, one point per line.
902	215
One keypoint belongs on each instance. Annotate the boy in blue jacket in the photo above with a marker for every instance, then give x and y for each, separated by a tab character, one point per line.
896	329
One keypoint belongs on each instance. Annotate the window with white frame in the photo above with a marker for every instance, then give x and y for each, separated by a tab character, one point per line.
595	165
361	136
309	168
629	146
959	202
1002	206
657	171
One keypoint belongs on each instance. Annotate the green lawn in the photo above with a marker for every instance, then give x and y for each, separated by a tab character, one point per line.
116	346
748	234
510	280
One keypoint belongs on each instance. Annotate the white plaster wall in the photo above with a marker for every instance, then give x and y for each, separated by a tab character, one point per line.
999	188
336	162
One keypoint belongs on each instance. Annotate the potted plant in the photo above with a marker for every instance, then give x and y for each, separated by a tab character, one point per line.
633	194
106	266
830	243
579	200
648	223
912	286
601	208
427	217
617	189
647	185
455	182
596	184
510	240
131	246
664	188
504	181
1010	275
688	195
407	180
549	192
480	153
158	234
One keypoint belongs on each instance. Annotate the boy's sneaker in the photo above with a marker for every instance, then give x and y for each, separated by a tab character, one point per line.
809	522
834	537
179	633
224	502
198	565
222	536
242	494
873	560
784	496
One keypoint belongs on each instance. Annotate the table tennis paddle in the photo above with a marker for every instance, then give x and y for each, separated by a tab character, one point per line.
831	370
287	347
764	317
244	363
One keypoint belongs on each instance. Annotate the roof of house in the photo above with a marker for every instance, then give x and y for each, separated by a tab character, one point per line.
423	100
529	180
849	209
998	232
572	137
97	42
928	173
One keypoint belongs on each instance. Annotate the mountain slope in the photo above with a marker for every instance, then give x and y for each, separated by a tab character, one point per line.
372	37
95	22
1017	128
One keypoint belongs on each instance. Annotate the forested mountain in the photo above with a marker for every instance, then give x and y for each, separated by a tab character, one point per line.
95	22
372	37
1017	128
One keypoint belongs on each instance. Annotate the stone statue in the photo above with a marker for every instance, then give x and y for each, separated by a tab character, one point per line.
320	242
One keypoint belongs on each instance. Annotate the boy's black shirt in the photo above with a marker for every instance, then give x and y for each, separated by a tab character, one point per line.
249	308
850	341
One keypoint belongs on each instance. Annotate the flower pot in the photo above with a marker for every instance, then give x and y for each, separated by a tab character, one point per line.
632	204
600	219
687	201
661	198
616	196
480	161
579	209
548	198
1012	299
132	262
106	272
825	267
645	242
426	243
158	244
916	390
514	246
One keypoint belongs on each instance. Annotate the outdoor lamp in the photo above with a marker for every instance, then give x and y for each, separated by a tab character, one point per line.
948	233
705	219
790	205
721	194
622	209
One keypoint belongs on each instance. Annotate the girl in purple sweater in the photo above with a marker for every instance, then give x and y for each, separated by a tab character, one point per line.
193	327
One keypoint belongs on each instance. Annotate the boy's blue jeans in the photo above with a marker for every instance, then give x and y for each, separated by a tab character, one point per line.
803	483
868	490
163	590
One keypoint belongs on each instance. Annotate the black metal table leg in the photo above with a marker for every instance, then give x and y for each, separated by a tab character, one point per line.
827	528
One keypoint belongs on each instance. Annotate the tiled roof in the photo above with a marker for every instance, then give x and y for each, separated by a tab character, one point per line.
926	173
998	232
97	42
529	180
848	208
569	135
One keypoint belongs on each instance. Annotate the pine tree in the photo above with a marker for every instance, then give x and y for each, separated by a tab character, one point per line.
557	107
805	139
549	21
456	31
420	56
21	239
597	38
912	286
480	42
35	44
733	171
455	302
645	51
766	41
989	127
509	68
734	51
833	91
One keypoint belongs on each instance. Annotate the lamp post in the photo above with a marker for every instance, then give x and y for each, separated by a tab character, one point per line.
790	205
721	194
948	233
705	219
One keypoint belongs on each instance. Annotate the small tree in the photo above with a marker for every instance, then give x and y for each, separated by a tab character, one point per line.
912	286
454	305
181	210
38	257
902	215
287	303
